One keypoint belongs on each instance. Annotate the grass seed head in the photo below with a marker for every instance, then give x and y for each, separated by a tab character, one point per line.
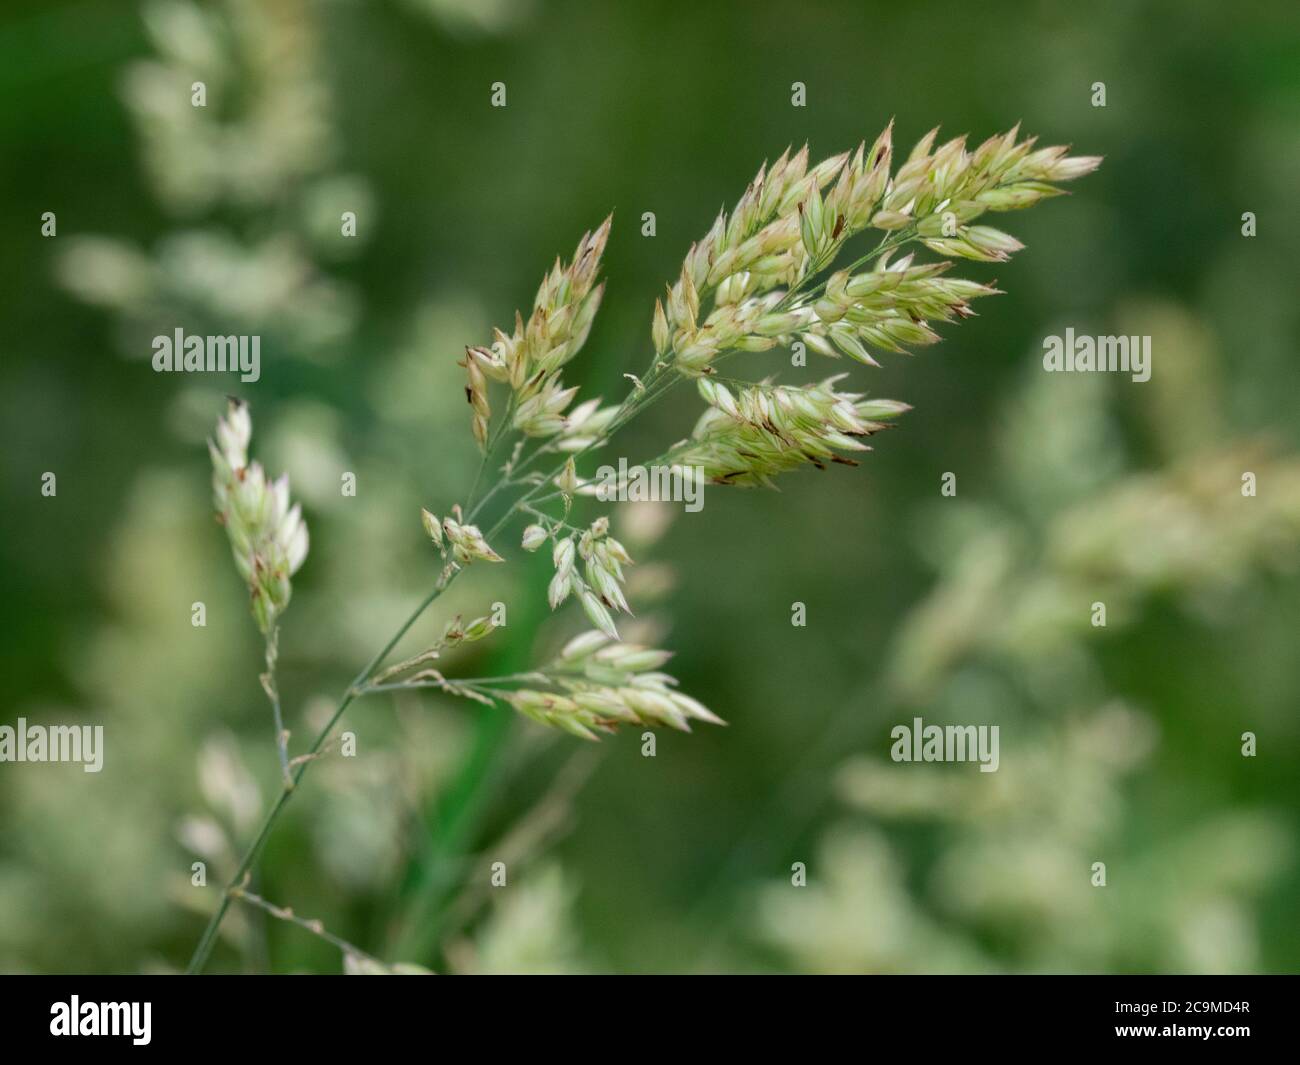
267	533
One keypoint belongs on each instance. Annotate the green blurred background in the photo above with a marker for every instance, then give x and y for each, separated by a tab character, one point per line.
1119	745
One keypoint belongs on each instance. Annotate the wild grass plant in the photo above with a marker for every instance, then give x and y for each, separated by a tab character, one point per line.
775	272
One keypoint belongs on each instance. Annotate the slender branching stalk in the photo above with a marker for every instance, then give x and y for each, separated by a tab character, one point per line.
270	686
315	927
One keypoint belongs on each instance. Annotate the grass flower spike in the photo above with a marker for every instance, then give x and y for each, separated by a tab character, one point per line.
267	534
599	584
467	542
529	360
763	430
597	684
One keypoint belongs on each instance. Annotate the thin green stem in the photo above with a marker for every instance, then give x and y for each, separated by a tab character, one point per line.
509	479
528	508
502	430
270	686
206	941
478	476
648	392
463	682
315	927
504	482
897	240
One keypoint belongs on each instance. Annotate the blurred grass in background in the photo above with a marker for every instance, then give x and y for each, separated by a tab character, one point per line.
1120	747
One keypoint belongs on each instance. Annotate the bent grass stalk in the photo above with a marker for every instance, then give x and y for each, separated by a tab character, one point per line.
308	924
764	269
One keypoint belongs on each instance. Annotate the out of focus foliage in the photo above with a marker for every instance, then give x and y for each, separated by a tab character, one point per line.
1120	745
1006	636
